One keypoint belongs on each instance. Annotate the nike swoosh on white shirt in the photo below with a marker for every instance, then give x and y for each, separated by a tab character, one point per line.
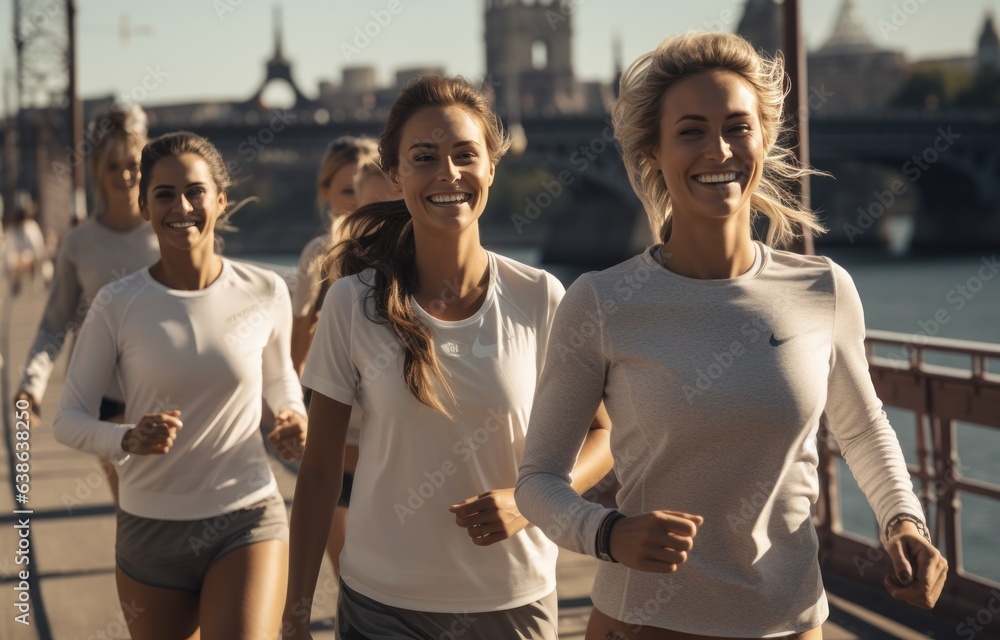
481	350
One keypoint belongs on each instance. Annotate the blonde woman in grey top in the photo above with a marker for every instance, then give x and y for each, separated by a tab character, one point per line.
111	244
716	357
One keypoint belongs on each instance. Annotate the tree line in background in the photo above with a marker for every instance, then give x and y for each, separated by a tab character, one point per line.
939	87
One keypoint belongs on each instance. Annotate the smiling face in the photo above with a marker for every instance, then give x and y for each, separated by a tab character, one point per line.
444	170
119	174
339	191
183	203
711	149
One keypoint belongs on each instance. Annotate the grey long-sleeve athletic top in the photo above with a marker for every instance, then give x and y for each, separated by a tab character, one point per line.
715	389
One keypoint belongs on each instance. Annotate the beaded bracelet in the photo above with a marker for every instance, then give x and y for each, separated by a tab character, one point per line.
602	544
906	517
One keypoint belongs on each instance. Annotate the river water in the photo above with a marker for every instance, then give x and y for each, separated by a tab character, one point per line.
950	297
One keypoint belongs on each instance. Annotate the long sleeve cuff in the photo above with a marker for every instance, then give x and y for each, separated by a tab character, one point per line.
115	433
565	517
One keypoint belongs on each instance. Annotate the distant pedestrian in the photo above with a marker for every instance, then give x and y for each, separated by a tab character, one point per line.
25	247
196	340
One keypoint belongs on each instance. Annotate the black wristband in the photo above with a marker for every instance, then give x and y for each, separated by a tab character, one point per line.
602	545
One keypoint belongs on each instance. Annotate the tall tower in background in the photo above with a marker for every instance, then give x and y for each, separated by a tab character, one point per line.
761	24
988	51
529	57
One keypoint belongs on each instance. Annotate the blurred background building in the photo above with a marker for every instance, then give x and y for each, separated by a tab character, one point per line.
873	111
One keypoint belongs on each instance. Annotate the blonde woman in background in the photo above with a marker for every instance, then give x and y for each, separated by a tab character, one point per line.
114	242
371	185
335	193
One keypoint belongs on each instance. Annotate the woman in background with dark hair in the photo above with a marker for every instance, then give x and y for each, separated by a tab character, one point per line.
440	343
195	340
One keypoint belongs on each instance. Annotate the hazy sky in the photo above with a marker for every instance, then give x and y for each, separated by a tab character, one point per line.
194	49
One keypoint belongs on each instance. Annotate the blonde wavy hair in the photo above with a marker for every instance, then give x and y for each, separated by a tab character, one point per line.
636	117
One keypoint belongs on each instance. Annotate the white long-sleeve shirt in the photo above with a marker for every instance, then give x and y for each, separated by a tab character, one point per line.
89	257
210	353
715	389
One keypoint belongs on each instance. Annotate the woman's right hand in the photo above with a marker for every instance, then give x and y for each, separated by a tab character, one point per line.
658	541
154	434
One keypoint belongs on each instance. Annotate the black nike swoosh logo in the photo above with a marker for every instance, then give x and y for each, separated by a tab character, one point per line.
777	343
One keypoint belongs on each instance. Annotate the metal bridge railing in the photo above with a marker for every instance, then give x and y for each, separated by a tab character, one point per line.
939	396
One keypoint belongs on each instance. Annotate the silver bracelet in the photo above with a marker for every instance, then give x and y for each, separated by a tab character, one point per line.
907	517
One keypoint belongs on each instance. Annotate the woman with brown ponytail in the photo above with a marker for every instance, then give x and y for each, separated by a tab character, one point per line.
440	343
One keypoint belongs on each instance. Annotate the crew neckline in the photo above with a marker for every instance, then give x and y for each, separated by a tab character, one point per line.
760	260
184	293
119	232
491	289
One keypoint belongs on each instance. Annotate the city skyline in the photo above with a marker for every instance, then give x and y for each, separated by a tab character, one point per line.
217	50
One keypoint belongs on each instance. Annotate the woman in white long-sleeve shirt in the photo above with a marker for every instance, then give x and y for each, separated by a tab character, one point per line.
194	340
716	357
109	245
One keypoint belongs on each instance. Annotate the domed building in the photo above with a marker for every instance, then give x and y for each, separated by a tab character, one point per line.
857	74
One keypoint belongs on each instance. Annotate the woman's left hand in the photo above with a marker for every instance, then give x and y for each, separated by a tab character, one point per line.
289	434
489	517
920	569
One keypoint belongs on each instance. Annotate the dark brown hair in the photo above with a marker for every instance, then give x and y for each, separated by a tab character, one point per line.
379	236
179	143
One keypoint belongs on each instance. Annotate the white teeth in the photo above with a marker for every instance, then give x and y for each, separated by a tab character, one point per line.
180	225
453	197
716	177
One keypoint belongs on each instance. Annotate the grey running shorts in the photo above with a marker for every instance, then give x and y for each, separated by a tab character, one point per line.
177	554
361	618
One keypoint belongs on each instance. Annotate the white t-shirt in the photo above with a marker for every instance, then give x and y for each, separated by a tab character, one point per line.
403	547
211	354
305	288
